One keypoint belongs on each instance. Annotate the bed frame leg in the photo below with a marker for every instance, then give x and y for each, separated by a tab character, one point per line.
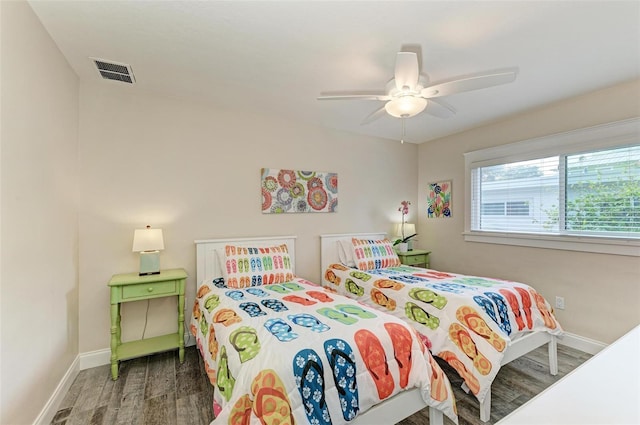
485	407
435	416
553	355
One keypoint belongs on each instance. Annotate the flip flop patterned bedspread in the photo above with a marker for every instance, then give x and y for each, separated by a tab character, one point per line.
469	321
296	353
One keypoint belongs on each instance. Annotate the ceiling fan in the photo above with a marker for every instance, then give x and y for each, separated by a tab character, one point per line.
409	92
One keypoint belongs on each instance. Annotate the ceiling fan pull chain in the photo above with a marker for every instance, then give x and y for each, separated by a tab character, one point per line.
402	139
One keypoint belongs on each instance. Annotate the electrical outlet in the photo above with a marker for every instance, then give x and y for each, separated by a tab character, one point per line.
560	303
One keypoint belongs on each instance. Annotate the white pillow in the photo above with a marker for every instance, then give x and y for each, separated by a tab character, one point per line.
345	252
219	272
221	259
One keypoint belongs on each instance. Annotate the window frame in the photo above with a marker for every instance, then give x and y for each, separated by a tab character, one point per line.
605	136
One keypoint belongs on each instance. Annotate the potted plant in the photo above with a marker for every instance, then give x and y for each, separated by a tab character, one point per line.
402	244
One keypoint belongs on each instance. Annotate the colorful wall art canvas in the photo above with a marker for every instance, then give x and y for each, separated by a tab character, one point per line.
439	200
291	191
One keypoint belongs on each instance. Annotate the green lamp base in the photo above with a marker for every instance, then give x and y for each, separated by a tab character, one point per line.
149	263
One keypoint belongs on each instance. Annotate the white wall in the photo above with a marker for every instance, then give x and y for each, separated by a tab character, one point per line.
39	257
194	171
602	292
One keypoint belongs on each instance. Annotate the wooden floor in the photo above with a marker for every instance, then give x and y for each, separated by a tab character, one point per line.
159	390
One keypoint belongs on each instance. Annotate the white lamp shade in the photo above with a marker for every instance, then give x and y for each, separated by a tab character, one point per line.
409	229
405	106
147	240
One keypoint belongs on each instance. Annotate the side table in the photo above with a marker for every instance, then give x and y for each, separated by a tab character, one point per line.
132	287
415	257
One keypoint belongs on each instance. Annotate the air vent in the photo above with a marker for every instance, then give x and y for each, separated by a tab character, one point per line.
111	70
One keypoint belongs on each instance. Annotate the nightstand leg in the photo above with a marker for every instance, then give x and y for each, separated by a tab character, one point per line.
181	326
118	326
115	337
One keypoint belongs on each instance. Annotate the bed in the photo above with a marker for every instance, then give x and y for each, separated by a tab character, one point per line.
280	349
475	324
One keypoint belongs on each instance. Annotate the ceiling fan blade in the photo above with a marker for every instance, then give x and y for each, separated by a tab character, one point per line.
407	71
378	113
439	108
349	95
470	82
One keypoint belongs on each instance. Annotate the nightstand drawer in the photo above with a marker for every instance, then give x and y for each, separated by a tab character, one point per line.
410	260
149	289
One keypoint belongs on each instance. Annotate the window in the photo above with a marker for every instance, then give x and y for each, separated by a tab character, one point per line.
601	191
505	208
492	208
521	190
578	190
518	208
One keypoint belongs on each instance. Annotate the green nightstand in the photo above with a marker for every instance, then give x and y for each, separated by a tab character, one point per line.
131	287
416	257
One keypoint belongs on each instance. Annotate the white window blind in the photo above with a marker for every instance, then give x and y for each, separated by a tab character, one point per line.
603	192
595	192
578	190
517	196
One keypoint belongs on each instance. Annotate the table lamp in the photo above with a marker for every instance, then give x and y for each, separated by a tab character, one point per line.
409	229
397	231
148	242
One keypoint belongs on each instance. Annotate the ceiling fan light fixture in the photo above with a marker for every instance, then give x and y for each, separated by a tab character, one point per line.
405	106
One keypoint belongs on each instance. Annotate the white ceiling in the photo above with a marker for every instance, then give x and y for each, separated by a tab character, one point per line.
276	57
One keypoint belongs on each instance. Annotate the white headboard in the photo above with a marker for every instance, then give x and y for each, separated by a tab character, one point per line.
329	246
208	266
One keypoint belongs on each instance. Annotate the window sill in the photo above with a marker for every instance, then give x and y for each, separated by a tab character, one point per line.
601	245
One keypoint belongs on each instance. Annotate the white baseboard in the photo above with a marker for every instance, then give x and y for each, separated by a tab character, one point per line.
51	407
95	358
581	343
102	357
